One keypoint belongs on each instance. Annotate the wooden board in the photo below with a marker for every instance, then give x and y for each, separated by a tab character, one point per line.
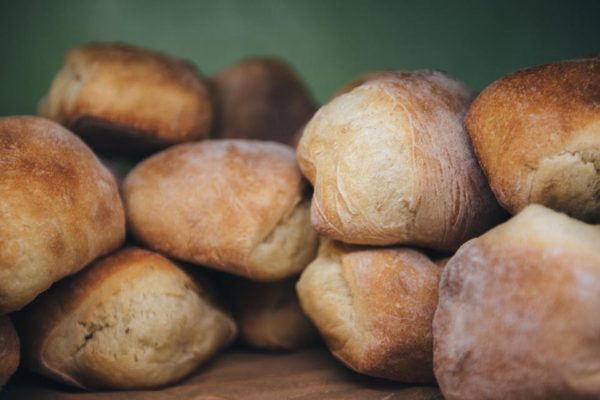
245	374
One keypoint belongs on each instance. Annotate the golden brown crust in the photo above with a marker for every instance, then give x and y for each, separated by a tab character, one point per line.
123	322
9	349
59	208
113	93
391	163
374	308
269	314
261	98
537	136
234	205
514	318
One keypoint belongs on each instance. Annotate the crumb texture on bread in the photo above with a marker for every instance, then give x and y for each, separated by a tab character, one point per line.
513	319
234	205
164	99
391	163
569	181
132	320
292	242
374	308
59	208
536	133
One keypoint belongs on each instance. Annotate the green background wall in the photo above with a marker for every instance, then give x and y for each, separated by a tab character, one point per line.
328	41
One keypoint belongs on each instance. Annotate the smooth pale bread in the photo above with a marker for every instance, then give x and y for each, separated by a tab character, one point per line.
391	163
374	308
132	320
516	315
59	208
235	205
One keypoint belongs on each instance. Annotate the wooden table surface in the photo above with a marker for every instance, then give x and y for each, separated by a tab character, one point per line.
244	374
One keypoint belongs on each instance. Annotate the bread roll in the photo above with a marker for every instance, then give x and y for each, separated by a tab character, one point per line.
132	320
261	98
59	208
127	99
391	163
234	205
516	316
9	350
374	308
269	314
537	135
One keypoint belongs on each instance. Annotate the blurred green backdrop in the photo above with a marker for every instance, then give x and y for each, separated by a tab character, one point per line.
328	41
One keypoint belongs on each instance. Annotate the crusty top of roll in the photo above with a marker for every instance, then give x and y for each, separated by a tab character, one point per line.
130	320
215	202
131	87
391	163
532	127
59	208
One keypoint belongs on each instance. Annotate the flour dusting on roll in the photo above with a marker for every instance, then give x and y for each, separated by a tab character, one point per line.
235	205
516	311
391	163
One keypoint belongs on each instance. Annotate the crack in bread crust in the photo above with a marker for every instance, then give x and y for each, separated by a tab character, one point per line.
288	248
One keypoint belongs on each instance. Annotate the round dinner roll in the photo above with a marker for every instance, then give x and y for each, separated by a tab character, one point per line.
374	308
234	205
132	320
537	136
516	315
59	208
261	98
269	314
126	99
391	163
9	350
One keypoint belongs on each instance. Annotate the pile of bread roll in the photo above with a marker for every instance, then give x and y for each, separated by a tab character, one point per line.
427	233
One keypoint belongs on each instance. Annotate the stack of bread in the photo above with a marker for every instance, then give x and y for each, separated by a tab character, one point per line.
403	255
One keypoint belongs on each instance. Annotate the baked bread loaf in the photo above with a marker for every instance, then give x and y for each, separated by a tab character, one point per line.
374	308
131	320
234	205
127	99
9	350
391	163
261	98
537	136
269	314
515	316
59	208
